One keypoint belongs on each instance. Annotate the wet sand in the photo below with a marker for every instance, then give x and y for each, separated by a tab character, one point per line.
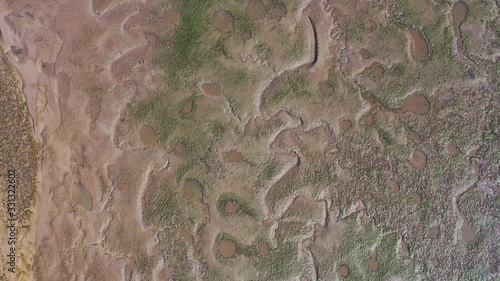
83	202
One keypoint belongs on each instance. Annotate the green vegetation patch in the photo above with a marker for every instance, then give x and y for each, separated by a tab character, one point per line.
296	85
189	48
282	263
245	207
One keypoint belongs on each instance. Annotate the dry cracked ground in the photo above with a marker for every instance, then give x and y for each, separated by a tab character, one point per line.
251	139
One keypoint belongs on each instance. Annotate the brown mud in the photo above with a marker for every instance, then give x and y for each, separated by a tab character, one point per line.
211	90
223	21
227	249
256	10
420	46
344	271
279	10
459	14
373	264
193	191
418	160
417	104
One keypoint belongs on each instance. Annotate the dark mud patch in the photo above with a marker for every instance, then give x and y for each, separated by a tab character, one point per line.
373	264
369	120
279	10
148	136
180	149
452	149
415	196
82	197
234	156
419	47
326	89
459	14
433	232
263	249
345	125
392	184
227	249
232	207
467	232
378	72
418	160
156	78
172	16
344	271
473	152
256	10
417	104
415	137
193	191
246	35
211	90
188	108
365	54
223	21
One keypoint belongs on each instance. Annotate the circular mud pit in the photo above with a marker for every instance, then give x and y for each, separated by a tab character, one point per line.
433	232
263	249
397	72
188	108
156	79
369	120
279	10
418	160
378	72
246	35
417	104
420	47
147	136
326	89
344	271
256	10
392	184
193	191
415	196
435	262
210	90
365	54
180	148
223	21
345	125
415	137
373	264
473	152
232	207
172	16
452	149
234	156
227	249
